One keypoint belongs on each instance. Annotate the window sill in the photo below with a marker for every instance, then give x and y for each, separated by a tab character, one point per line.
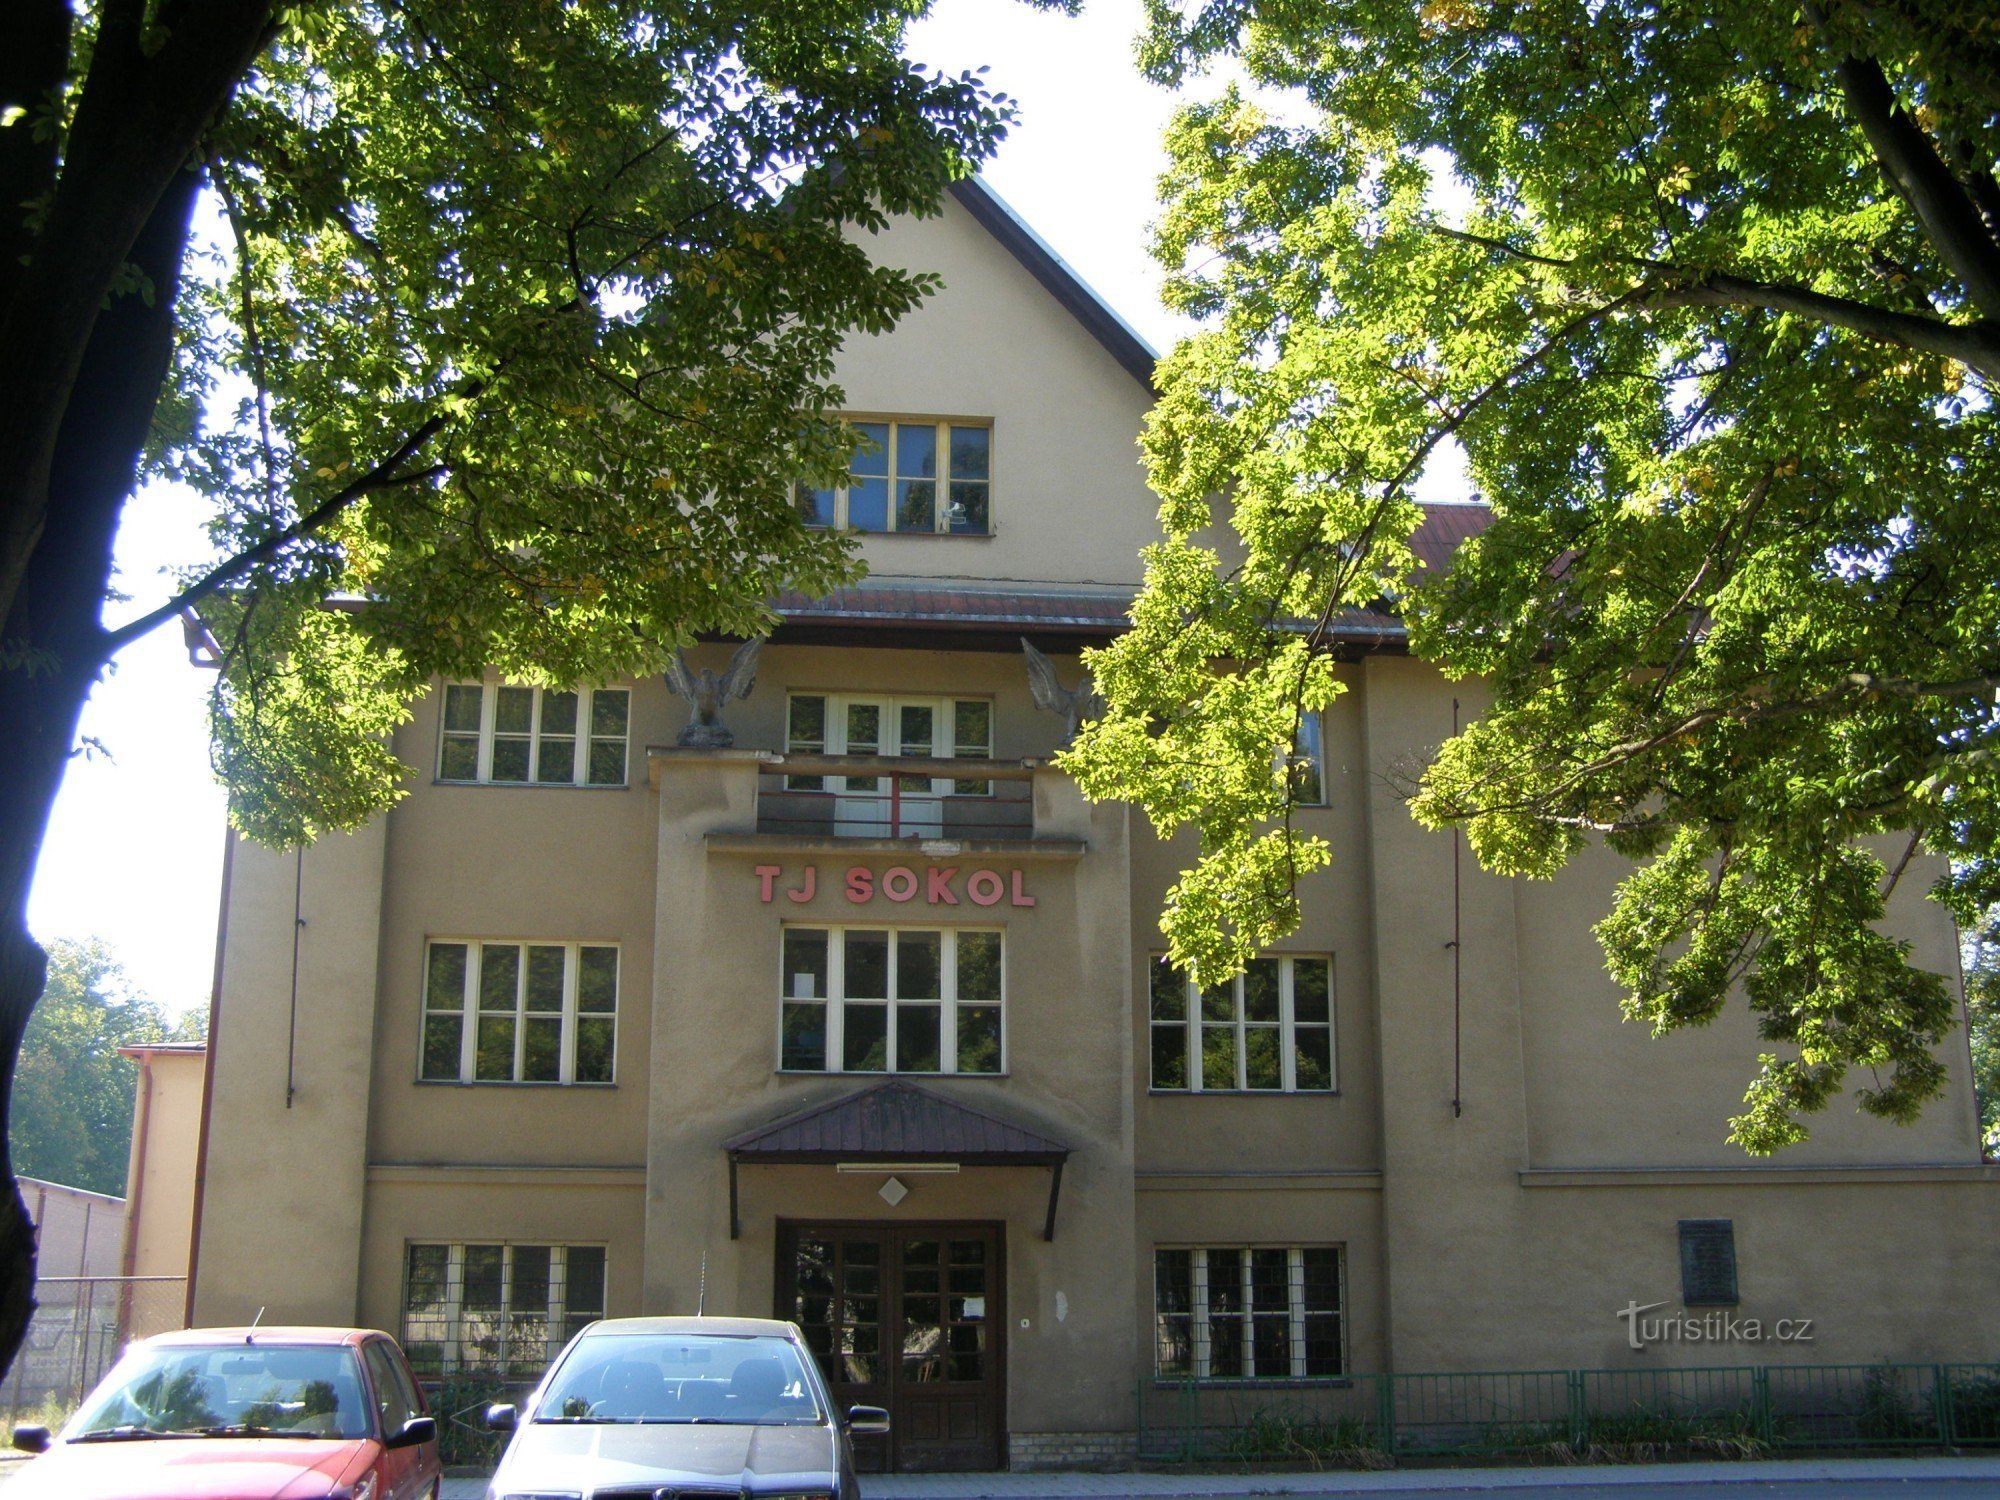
1243	1093
506	1083
880	1073
1255	1382
538	786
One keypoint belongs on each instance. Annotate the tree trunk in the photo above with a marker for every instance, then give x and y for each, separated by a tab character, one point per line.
55	627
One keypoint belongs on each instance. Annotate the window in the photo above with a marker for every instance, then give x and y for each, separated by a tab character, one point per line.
886	1000
1242	1312
1269	1030
897	482
529	736
395	1398
1307	765
497	1309
519	1012
868	724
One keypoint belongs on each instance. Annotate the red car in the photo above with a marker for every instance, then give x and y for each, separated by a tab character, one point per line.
244	1414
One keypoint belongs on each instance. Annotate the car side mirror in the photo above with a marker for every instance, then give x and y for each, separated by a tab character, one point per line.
867	1421
413	1433
31	1439
501	1418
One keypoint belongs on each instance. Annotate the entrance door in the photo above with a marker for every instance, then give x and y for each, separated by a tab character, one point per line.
909	1318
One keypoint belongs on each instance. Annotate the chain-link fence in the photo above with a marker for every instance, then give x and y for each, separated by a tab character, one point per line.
81	1324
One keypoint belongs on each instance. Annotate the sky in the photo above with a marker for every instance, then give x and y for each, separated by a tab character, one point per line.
134	848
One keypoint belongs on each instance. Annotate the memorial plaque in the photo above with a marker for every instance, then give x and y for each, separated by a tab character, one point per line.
1708	1262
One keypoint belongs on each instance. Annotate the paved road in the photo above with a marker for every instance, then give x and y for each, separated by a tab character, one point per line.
1835	1479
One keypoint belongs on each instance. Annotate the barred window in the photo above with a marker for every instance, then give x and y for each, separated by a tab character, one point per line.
1242	1312
529	735
1268	1030
497	1309
519	1012
887	1000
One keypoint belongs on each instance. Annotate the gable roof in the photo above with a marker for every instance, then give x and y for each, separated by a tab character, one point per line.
1058	278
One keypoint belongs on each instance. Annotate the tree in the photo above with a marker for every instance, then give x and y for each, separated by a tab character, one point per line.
522	333
1710	297
71	1120
1982	1012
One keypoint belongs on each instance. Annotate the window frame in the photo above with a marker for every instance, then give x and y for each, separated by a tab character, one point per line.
583	737
556	1315
835	1004
944	741
1194	1026
1308	757
1201	1316
571	1015
941	429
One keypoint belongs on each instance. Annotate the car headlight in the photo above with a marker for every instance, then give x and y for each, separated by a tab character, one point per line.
542	1495
362	1489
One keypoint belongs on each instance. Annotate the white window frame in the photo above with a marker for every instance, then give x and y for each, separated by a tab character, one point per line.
941	429
836	1002
1193	1025
556	1314
489	707
1201	1319
469	1011
944	743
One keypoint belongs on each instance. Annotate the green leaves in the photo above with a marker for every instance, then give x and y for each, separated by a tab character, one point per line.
540	304
1715	367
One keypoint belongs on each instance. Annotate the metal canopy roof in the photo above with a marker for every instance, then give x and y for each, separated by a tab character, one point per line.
895	1121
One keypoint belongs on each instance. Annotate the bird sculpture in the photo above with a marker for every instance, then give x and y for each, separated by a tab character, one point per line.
1074	704
707	694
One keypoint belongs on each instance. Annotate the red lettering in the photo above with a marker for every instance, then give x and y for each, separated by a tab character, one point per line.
766	875
984	887
860	885
937	886
899	883
1018	889
805	892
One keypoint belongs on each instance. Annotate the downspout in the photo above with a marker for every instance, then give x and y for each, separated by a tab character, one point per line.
128	1260
208	1079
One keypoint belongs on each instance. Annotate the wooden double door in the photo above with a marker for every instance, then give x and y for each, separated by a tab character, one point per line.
911	1318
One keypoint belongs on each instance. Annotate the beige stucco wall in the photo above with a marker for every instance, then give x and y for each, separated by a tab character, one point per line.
714	1032
1069	500
160	1180
281	1226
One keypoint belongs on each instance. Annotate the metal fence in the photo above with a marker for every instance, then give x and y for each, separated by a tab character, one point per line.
81	1324
1564	1415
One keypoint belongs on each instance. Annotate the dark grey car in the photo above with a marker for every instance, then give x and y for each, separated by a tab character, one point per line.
698	1406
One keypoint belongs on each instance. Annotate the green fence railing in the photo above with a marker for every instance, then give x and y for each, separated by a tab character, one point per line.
1735	1411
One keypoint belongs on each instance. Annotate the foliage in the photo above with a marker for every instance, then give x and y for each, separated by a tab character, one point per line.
1296	1433
459	1403
72	1109
1710	297
1982	1012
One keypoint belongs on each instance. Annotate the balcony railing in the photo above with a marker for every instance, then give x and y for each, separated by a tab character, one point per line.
895	797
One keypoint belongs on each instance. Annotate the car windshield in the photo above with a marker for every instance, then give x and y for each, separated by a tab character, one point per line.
756	1380
230	1390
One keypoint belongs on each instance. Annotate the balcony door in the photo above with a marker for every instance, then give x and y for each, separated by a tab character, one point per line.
870	806
910	1318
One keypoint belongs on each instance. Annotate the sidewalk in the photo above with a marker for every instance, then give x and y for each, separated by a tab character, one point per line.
1950	1476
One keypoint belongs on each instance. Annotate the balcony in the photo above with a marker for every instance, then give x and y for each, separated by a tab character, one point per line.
875	797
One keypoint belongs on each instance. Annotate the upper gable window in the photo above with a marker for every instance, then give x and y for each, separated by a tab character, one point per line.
914	477
534	736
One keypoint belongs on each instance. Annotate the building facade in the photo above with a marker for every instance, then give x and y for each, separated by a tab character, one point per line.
859	1018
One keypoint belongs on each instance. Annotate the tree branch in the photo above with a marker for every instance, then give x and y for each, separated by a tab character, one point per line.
1949	217
1974	345
383	476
